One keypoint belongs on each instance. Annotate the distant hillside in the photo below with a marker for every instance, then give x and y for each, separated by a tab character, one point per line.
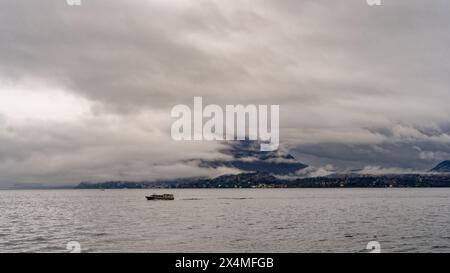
443	167
261	180
138	185
264	180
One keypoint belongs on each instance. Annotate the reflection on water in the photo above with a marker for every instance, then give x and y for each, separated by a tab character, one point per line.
239	220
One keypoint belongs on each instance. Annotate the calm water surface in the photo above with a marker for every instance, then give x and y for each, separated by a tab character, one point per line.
241	220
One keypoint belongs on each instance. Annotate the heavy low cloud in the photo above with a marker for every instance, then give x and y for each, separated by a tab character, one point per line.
86	92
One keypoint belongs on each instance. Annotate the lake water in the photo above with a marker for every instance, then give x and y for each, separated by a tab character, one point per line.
234	220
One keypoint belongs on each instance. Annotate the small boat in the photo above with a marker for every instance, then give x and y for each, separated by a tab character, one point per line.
165	196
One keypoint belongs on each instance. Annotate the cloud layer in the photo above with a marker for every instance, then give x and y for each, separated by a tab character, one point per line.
86	92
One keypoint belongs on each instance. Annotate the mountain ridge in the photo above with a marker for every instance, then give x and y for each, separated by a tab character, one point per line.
443	167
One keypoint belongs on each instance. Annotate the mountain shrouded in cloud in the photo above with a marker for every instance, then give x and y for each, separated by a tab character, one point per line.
86	91
443	167
247	157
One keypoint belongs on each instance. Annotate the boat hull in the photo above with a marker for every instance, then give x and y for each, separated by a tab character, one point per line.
167	197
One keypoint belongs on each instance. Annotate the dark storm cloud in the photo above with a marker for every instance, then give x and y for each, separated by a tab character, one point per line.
128	55
357	85
408	156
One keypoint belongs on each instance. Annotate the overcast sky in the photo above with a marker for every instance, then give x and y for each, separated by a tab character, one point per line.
86	92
